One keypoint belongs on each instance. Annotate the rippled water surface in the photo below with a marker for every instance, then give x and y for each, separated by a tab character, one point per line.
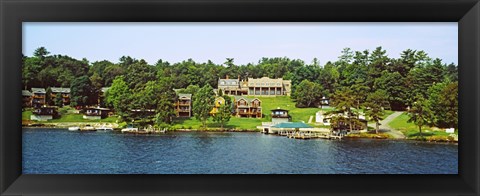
58	151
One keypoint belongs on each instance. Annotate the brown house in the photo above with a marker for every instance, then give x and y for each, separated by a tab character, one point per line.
280	115
64	92
245	107
44	113
183	106
38	98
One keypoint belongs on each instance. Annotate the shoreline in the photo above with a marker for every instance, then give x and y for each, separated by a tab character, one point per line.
117	130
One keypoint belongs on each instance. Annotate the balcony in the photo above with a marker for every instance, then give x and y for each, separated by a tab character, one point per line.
183	103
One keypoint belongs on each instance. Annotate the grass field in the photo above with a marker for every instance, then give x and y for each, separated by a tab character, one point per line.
268	103
234	123
67	116
411	130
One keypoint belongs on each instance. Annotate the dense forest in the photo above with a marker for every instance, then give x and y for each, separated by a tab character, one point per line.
359	78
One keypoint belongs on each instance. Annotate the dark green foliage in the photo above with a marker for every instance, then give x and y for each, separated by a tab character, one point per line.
118	97
58	100
48	96
203	103
82	92
41	52
224	112
308	94
191	89
420	113
343	101
374	107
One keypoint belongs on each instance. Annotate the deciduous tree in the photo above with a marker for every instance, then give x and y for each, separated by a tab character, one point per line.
203	103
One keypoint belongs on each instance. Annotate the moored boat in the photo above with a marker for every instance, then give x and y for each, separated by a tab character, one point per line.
104	128
129	130
73	128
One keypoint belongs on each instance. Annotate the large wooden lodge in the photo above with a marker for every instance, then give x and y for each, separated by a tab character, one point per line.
183	105
264	86
247	107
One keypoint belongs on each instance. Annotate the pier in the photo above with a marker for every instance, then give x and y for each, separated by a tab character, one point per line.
300	134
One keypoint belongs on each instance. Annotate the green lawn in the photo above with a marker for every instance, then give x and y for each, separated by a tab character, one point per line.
79	118
234	123
411	130
285	102
69	117
268	103
26	115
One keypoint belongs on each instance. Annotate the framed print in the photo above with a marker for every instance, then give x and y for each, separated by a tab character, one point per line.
239	98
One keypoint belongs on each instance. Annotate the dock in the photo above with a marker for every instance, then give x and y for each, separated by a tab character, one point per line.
309	135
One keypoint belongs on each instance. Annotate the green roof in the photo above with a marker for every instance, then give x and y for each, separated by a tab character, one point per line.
292	125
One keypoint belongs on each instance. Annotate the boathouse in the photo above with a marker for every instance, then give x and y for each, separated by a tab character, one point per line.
95	113
44	113
280	115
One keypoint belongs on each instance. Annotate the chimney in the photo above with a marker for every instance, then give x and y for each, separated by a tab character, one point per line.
239	77
227	77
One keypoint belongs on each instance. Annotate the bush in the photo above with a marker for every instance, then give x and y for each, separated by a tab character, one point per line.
122	125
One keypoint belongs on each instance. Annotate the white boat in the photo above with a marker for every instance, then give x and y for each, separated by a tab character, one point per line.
129	130
104	127
73	128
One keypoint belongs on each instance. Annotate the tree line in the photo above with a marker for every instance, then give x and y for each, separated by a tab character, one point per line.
398	83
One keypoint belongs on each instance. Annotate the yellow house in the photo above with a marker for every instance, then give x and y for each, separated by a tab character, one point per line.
219	101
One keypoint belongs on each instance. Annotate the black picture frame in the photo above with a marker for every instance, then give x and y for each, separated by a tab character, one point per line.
14	12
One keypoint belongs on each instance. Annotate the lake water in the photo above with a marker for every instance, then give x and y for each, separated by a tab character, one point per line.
59	151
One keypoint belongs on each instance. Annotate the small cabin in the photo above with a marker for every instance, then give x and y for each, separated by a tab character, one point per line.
95	113
44	113
280	115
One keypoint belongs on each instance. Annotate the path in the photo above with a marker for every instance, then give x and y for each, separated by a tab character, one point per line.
387	129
